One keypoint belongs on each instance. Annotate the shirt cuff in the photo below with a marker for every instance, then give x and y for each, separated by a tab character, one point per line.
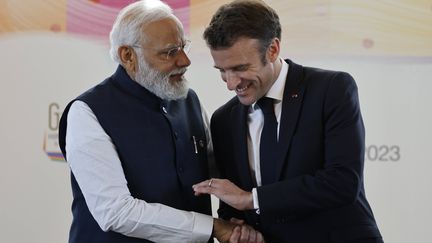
203	226
255	199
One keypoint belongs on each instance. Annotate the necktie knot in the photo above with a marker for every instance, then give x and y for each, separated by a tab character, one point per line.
266	105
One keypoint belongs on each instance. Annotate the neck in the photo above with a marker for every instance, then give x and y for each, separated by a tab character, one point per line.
277	68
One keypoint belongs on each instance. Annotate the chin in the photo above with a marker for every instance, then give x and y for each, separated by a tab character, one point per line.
246	100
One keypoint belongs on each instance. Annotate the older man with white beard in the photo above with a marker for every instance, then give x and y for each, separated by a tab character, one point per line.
138	141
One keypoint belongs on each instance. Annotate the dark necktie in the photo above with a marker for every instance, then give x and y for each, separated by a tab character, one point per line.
268	141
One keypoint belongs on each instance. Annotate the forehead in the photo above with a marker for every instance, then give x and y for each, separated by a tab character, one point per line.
163	33
243	51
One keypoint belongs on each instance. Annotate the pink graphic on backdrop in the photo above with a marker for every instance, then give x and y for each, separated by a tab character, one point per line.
113	3
94	18
176	4
181	10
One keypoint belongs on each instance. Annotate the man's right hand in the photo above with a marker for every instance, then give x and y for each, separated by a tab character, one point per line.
230	232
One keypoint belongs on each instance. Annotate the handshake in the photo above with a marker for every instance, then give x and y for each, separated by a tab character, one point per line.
235	231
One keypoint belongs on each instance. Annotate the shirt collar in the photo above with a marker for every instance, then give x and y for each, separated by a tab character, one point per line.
277	89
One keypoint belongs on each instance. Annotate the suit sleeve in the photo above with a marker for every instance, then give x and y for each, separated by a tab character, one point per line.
338	180
221	146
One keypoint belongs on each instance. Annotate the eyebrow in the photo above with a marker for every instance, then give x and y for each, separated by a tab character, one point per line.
172	45
235	67
169	47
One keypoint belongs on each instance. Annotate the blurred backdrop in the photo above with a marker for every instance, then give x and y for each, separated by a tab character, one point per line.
53	50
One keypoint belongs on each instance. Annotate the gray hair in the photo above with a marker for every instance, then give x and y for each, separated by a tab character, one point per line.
127	28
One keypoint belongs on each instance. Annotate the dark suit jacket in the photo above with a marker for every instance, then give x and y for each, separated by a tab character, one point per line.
315	193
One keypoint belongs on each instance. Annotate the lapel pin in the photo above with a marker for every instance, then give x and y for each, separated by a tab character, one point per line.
294	95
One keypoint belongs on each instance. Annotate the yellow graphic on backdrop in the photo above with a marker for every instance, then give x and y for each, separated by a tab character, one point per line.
310	27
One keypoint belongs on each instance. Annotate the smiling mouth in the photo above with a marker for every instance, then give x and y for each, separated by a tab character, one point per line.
238	89
177	76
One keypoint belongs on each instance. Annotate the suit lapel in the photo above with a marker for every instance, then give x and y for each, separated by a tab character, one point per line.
239	132
291	104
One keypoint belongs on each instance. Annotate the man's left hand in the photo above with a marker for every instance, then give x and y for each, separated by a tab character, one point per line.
226	191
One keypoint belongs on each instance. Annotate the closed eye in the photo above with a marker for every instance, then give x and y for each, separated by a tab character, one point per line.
238	68
241	68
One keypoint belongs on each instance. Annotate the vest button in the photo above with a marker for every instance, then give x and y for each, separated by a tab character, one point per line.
201	143
164	110
180	169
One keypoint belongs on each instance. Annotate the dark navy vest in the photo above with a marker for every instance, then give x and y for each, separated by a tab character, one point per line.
161	144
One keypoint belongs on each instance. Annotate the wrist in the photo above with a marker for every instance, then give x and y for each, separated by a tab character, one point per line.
248	201
221	230
217	223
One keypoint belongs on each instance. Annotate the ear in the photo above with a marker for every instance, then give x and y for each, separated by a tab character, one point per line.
128	59
273	50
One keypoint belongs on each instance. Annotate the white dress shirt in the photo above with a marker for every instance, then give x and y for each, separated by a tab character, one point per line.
93	159
256	123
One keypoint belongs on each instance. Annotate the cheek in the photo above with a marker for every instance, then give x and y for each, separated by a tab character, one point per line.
163	68
167	70
250	77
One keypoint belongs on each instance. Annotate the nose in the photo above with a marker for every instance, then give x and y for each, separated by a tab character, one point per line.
182	59
232	80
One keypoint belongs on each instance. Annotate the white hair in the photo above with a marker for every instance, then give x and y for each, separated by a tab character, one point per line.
127	28
159	83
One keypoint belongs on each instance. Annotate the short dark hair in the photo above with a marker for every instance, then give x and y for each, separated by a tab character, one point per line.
243	18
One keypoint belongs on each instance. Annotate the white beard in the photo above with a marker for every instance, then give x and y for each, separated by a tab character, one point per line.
159	84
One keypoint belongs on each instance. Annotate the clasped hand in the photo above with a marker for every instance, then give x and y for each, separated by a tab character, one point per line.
235	231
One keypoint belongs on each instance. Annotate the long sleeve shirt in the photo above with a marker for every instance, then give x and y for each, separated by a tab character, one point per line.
94	162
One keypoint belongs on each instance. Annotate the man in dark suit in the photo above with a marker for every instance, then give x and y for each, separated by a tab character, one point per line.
294	168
